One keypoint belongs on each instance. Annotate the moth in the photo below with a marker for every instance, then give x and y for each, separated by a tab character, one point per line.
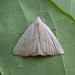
38	39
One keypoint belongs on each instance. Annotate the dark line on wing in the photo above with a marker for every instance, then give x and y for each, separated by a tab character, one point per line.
47	36
54	45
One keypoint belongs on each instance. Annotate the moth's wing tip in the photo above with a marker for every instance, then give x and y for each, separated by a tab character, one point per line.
15	52
61	52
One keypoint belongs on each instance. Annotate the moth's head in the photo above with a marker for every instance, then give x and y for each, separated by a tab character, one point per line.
38	17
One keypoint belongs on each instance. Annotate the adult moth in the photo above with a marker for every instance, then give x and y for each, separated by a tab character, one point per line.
38	39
